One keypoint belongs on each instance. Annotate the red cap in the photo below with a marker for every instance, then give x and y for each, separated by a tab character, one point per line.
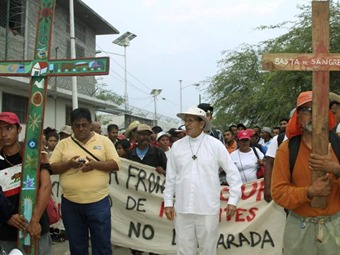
10	118
243	134
304	97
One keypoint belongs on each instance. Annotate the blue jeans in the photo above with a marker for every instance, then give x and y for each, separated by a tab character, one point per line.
80	219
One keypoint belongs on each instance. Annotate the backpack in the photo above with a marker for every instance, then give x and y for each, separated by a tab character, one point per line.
214	133
294	145
280	138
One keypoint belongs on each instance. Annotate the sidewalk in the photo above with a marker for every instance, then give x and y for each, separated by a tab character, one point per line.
62	249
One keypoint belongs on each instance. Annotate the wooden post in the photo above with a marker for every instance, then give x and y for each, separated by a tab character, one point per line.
320	62
39	70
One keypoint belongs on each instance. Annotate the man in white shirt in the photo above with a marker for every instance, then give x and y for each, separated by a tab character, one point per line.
192	176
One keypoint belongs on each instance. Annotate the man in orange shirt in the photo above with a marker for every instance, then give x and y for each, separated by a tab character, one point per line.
309	230
230	142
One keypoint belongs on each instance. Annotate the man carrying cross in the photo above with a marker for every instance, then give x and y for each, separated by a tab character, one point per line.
309	230
10	174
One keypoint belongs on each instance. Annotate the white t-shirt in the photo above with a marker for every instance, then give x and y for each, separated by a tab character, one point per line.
247	163
271	152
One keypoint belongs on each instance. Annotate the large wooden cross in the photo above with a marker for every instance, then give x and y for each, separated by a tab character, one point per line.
320	62
39	70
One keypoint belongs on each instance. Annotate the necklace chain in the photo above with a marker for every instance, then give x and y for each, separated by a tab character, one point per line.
194	157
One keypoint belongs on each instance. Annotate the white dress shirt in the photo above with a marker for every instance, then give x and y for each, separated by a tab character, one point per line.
195	183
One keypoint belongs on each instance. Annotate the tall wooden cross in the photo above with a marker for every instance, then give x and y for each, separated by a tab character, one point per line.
320	62
39	70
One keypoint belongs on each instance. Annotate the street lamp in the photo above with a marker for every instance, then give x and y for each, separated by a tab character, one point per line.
155	93
180	92
124	40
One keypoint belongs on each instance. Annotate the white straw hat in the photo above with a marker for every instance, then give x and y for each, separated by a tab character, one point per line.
199	113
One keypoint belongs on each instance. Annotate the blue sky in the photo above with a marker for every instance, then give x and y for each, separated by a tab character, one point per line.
181	40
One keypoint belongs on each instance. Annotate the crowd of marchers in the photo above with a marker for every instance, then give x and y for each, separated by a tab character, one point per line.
195	158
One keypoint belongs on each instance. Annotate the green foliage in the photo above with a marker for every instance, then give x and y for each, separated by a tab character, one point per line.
107	95
242	92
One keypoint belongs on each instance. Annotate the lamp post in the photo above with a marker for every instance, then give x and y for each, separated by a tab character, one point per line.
180	92
124	40
155	93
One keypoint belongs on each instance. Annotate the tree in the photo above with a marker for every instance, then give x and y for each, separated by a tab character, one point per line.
243	93
106	95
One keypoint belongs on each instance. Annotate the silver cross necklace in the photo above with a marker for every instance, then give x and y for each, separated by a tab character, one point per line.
194	157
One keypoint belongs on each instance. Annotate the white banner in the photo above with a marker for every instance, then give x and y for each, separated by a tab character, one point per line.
139	222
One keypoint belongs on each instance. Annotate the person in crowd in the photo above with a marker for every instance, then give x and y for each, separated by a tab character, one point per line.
334	106
130	133
253	140
163	140
257	130
112	133
283	124
12	222
240	127
230	142
192	176
65	132
209	111
147	154
97	127
52	139
266	135
276	131
245	158
270	156
176	134
233	128
123	148
308	230
155	130
84	162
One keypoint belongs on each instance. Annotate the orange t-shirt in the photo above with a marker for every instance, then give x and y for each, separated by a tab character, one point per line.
291	193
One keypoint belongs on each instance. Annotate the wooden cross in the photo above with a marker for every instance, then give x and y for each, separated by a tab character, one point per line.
39	70
320	62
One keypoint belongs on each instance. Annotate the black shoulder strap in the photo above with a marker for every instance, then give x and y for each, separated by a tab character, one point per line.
335	143
214	133
257	155
280	138
93	156
293	146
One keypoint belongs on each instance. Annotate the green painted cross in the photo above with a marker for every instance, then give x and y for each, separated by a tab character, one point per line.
320	62
39	70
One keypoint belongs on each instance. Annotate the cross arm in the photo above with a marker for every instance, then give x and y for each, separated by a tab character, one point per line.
56	67
15	68
301	62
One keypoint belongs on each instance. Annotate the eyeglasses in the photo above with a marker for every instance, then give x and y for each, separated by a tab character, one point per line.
191	120
305	109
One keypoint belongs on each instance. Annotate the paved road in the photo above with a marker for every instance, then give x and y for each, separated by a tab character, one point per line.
62	249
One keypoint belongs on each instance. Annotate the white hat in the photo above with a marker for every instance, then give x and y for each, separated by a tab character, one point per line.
160	134
66	129
199	113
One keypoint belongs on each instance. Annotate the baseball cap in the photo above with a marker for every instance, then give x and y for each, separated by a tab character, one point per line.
10	118
160	134
243	134
304	97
